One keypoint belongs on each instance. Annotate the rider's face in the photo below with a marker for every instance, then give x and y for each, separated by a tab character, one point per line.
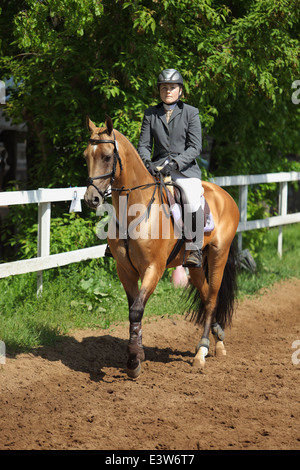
169	92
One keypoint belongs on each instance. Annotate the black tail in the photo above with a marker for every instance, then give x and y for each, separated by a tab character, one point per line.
226	297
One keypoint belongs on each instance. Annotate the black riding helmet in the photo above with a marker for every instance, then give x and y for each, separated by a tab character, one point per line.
170	76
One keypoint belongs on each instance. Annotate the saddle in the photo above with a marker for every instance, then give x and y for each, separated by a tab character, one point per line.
176	204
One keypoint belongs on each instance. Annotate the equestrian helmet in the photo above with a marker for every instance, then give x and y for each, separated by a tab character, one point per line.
170	76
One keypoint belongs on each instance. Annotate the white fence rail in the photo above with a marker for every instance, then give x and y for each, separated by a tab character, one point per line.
283	218
44	198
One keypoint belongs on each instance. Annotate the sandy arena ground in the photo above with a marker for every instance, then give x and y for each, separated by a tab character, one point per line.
76	395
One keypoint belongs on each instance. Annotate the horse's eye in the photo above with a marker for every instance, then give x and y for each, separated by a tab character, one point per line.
107	158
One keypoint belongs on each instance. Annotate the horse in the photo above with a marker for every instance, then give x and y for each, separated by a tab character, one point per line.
113	162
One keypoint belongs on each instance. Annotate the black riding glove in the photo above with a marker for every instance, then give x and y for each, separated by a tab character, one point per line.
151	167
169	168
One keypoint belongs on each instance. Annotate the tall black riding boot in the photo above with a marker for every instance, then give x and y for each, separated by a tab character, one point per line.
194	258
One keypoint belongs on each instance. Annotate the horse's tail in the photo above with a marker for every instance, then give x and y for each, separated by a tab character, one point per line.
226	296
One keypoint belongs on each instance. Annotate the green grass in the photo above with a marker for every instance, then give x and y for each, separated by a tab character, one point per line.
90	295
270	268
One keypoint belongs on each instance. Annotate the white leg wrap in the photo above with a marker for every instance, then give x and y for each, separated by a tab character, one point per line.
199	360
203	351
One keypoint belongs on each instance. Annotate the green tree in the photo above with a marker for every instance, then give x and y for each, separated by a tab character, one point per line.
72	58
76	57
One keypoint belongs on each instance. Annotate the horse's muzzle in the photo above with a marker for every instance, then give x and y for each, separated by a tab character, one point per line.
92	198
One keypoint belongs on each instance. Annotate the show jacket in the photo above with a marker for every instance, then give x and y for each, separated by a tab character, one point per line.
179	140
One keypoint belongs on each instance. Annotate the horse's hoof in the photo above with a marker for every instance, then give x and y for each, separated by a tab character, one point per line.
199	359
198	364
134	373
220	349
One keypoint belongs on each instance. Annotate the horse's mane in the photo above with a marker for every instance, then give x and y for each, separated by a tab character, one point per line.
127	141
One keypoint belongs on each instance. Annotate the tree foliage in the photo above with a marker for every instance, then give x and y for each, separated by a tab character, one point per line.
70	58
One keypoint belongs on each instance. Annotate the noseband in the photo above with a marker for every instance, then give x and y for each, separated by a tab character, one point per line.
90	180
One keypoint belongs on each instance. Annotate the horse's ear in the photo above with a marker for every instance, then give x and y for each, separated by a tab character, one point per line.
109	124
90	125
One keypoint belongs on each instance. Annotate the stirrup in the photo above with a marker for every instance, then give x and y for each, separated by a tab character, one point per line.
194	259
108	253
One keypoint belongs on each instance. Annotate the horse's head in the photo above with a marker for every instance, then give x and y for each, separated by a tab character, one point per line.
101	156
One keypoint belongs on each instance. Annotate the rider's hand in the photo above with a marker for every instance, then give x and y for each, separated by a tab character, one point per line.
151	167
169	168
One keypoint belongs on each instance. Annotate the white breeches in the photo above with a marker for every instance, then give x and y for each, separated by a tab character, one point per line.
193	190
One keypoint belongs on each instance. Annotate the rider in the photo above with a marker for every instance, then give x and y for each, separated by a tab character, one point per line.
175	130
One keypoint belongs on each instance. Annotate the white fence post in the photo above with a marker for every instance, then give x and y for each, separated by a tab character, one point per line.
243	199
283	201
44	221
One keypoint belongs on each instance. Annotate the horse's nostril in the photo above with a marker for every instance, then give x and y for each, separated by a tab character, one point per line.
96	201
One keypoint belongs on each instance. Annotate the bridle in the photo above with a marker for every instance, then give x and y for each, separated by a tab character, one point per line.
158	183
90	180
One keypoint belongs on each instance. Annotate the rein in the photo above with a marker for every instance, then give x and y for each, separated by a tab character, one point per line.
157	184
90	180
123	226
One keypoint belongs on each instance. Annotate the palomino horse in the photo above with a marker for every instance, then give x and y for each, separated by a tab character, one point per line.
113	161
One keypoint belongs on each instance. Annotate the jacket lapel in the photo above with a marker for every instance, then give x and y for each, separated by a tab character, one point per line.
162	115
177	110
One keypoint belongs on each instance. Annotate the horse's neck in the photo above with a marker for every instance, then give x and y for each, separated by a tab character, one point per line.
133	174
